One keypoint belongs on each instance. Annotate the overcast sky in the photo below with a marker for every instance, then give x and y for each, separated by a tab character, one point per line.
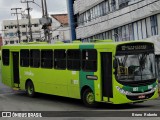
54	6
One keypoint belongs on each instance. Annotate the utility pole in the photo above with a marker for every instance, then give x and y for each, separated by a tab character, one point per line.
18	29
29	18
47	21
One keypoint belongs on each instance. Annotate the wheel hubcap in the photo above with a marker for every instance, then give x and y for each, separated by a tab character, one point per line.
90	98
30	89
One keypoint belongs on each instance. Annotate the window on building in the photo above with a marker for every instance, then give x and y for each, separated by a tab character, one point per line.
94	13
154	25
35	25
110	34
144	29
23	26
25	41
5	57
11	27
89	60
35	58
73	59
23	33
91	12
123	33
139	23
135	31
113	5
123	3
11	42
148	25
107	6
127	33
5	27
59	59
24	58
103	8
131	32
46	58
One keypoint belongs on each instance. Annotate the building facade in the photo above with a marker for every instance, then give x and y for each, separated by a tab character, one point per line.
10	35
60	28
119	20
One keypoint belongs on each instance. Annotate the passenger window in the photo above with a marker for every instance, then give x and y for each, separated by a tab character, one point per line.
5	57
46	58
73	59
24	58
59	59
35	58
89	60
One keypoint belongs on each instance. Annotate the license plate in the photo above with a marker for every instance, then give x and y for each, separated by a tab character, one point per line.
141	96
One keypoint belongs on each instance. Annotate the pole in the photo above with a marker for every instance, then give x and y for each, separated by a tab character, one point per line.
29	18
42	8
46	14
29	22
18	28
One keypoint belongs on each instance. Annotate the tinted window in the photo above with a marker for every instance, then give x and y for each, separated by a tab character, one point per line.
24	58
60	59
35	58
73	59
89	60
46	58
5	56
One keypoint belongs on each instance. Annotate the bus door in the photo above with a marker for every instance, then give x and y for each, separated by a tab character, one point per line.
16	68
106	74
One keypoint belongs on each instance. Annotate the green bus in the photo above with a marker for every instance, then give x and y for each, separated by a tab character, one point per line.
111	72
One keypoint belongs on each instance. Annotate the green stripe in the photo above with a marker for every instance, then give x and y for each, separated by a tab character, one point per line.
83	74
139	89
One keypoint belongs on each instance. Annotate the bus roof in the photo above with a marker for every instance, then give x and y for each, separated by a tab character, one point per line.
66	45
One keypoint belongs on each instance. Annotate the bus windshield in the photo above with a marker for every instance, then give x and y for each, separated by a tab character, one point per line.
135	67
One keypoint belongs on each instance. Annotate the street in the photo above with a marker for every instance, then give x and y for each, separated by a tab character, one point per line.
11	100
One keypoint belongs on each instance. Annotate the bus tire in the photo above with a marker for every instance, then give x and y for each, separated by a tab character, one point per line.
88	98
30	89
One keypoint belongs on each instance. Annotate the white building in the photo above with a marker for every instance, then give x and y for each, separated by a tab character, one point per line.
120	20
60	27
10	35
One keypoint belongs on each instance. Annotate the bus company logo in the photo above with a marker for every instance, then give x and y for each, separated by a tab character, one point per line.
28	73
6	114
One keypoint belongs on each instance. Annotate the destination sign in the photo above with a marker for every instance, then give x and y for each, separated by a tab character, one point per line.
135	47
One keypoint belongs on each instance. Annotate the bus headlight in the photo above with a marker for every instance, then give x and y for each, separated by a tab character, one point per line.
123	91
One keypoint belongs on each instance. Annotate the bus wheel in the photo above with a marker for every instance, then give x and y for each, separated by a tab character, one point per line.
30	89
88	98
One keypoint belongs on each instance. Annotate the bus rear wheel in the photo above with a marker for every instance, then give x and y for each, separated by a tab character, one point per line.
30	89
88	98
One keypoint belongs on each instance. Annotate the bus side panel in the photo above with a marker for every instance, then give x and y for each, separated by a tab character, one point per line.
50	81
73	84
7	78
47	81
